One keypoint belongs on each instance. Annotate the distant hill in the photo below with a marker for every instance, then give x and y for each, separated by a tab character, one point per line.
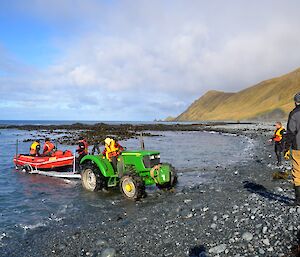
269	100
170	118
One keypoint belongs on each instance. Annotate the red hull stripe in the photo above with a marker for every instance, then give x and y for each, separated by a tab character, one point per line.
65	161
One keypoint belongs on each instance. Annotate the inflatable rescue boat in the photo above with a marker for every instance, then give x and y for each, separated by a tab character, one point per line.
58	161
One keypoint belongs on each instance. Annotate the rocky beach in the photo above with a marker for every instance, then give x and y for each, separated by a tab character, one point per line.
239	211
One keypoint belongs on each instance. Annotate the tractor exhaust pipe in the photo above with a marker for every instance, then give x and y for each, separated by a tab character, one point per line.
142	142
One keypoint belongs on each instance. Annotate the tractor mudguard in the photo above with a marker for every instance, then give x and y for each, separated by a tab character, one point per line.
160	174
164	174
102	163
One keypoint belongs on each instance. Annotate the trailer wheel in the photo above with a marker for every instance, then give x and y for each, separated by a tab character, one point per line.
173	179
132	187
91	178
27	168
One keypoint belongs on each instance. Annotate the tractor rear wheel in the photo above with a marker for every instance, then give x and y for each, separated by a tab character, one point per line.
132	187
91	178
173	179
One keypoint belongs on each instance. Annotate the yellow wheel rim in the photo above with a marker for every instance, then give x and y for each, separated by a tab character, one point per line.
128	188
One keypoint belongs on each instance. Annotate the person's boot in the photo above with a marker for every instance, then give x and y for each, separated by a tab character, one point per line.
297	196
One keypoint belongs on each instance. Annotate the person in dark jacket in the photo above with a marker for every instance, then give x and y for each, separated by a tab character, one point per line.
293	141
96	147
82	150
278	140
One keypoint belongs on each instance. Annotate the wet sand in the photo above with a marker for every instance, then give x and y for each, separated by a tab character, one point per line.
241	212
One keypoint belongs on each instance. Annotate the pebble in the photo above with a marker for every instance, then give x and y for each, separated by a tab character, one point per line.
266	241
213	226
101	242
61	247
188	216
264	230
292	210
218	249
108	252
247	236
258	225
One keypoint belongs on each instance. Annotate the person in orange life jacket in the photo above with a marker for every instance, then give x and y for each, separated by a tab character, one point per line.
35	148
82	150
49	147
278	139
112	150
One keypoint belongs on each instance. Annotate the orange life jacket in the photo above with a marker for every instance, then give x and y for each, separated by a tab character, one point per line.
112	150
48	147
278	135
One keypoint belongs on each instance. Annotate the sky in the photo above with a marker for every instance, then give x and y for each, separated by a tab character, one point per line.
137	60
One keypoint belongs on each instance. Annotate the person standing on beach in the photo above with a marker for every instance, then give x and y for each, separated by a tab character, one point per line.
293	141
278	138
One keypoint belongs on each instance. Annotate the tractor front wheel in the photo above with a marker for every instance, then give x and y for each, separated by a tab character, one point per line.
91	180
132	187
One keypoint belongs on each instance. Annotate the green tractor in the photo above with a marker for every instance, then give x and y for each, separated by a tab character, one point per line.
135	170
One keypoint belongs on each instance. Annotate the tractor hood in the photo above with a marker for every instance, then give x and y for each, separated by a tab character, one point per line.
139	153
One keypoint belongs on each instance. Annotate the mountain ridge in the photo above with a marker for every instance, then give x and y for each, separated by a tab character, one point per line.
268	100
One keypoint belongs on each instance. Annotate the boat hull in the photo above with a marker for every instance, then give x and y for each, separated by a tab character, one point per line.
58	161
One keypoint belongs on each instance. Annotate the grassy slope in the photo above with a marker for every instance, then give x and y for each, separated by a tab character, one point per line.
265	97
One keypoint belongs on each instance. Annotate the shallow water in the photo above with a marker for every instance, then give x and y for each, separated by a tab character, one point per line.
28	202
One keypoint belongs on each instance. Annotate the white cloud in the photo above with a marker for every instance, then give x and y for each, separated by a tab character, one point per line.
157	57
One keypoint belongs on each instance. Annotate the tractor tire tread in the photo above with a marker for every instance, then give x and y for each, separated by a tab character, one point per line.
100	179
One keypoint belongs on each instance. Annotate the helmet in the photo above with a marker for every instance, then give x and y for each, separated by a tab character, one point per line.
107	141
297	98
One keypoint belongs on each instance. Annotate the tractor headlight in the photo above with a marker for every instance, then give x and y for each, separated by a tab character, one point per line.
152	157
